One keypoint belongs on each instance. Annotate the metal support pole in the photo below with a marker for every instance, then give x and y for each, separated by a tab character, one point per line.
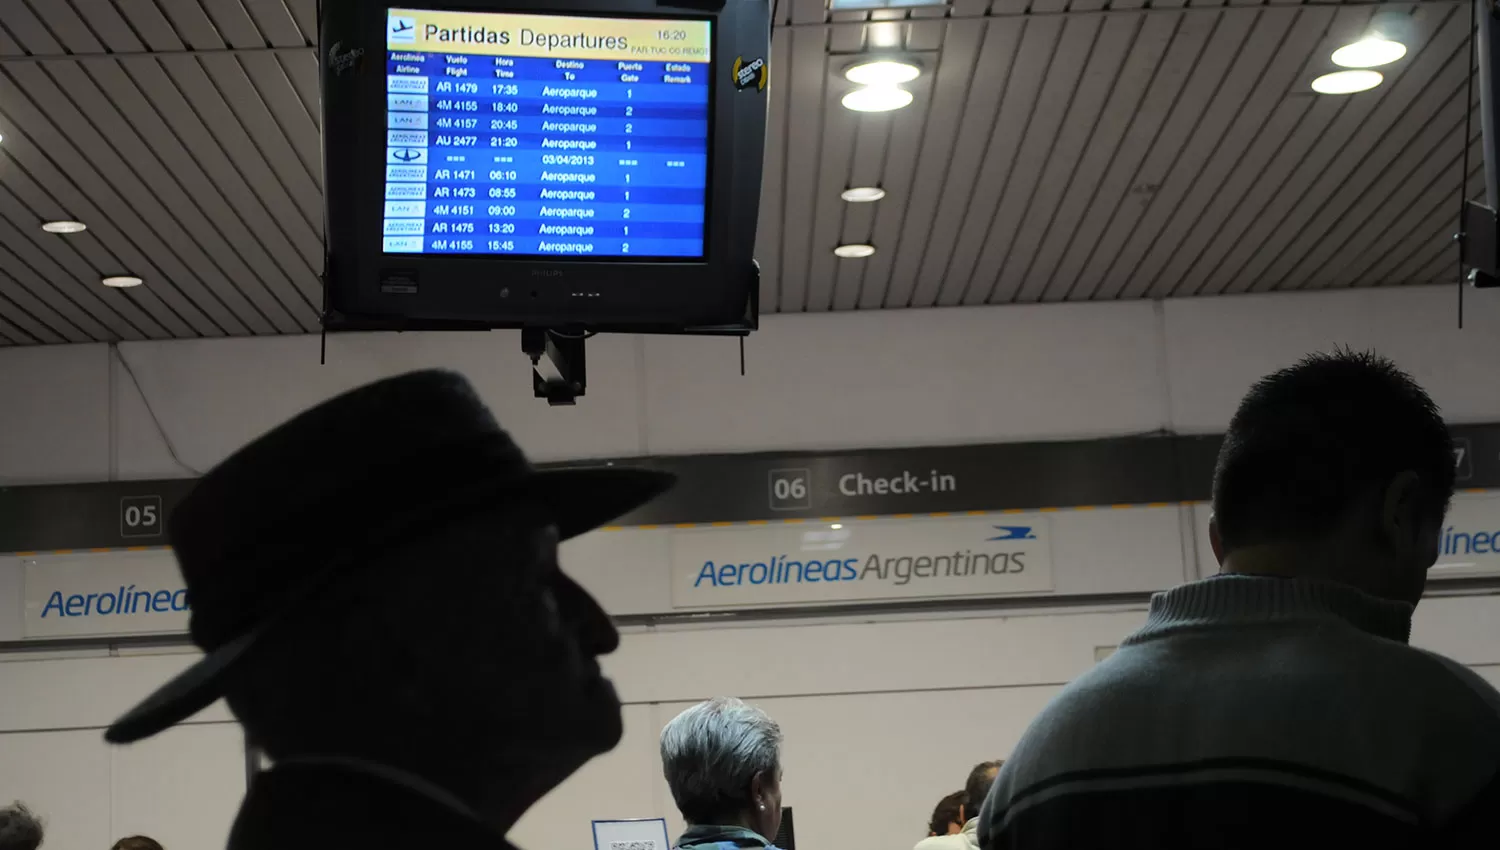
1489	87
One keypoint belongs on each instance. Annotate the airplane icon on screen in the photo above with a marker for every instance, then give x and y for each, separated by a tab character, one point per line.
403	30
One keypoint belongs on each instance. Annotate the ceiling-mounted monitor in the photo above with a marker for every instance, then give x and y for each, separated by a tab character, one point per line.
589	164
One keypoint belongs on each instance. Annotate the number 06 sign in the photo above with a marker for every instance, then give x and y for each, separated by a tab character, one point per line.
791	489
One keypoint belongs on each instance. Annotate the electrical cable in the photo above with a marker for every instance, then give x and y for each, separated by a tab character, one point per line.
162	432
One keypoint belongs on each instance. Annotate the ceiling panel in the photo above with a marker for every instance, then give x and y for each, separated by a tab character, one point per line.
1055	150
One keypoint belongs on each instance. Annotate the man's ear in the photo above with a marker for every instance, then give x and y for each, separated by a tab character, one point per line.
1215	542
1399	511
758	789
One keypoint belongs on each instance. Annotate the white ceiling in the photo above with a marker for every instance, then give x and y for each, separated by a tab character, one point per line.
1056	150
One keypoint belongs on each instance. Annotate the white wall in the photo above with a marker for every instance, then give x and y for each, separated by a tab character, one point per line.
843	380
181	788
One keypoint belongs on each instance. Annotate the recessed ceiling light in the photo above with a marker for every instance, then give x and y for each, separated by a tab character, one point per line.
1347	82
854	252
64	226
122	281
876	99
862	194
882	72
836	526
1369	53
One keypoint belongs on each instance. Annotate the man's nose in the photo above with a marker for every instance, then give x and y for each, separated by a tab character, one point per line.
596	631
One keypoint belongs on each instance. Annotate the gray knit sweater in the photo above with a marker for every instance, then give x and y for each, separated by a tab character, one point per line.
1259	713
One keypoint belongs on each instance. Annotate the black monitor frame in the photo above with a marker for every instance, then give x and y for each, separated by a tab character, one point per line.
367	289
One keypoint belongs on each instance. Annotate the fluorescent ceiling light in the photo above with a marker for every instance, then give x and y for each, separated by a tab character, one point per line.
64	226
1347	82
854	252
883	34
882	72
1369	53
849	5
122	281
877	99
863	194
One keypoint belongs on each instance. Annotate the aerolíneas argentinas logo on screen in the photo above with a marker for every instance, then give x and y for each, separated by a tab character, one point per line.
899	570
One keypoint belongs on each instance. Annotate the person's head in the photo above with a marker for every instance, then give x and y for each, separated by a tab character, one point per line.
977	787
722	760
1338	467
19	828
464	655
137	842
377	579
950	815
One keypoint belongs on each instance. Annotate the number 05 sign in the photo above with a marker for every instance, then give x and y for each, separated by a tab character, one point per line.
141	516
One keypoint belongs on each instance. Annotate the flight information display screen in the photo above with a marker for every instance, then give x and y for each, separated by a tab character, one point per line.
546	135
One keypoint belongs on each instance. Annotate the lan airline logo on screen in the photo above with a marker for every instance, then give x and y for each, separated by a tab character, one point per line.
403	30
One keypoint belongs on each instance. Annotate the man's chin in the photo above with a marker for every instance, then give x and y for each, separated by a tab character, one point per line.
610	723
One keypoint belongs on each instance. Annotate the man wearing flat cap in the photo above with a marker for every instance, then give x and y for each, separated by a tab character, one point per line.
376	590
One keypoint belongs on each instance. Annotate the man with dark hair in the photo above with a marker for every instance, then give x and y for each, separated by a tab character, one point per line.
376	588
949	816
976	787
1278	704
19	828
137	842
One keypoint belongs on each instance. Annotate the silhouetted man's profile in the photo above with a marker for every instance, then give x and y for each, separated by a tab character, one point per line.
376	586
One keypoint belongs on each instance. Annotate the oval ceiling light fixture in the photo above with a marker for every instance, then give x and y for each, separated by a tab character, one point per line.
122	281
882	72
854	252
64	226
876	99
862	194
1370	52
1347	82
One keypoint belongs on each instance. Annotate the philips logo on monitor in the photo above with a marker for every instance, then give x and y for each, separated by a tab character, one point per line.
403	30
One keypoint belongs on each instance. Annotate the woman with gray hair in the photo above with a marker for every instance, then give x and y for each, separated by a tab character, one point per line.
722	760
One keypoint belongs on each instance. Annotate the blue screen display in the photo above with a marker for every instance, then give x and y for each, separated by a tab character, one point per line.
542	135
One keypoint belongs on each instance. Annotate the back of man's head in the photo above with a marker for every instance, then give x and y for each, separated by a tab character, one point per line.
978	786
950	811
1339	442
19	828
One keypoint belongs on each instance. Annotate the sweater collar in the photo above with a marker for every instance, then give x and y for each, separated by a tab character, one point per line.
1244	600
696	836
